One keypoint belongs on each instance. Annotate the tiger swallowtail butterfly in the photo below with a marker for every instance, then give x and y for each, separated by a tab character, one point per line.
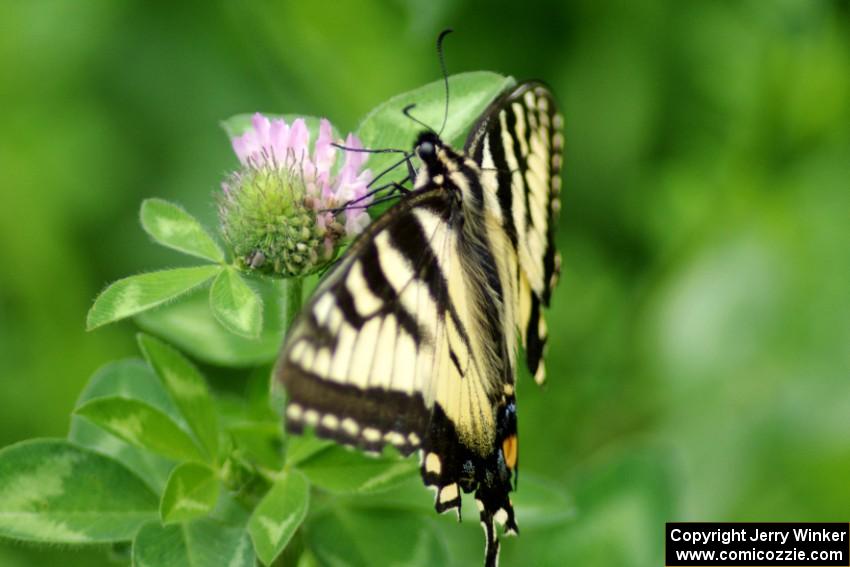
410	339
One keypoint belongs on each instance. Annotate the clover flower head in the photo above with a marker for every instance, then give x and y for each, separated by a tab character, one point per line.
284	212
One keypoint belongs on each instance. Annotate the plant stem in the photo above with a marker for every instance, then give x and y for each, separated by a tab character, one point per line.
293	296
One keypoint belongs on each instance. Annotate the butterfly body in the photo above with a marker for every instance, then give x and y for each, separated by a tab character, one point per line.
411	339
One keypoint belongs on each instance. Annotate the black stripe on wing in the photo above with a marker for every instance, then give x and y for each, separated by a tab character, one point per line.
381	288
451	468
369	417
485	461
504	136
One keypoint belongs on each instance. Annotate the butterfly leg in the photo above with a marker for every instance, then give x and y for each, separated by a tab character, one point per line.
358	203
411	171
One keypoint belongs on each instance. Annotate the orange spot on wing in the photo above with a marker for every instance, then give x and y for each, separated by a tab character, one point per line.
509	449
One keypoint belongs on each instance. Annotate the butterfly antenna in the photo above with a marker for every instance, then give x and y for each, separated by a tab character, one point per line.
406	111
411	174
368	150
442	56
395	186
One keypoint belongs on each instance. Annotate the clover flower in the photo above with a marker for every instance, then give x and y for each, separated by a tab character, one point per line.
282	212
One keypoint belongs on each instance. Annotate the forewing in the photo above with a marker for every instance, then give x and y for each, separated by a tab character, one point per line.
381	341
518	143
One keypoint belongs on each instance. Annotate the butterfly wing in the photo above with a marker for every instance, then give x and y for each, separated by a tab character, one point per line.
518	143
358	363
388	351
384	354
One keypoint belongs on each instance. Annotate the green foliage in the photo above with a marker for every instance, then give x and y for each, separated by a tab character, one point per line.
187	390
144	433
236	306
191	492
53	491
302	447
142	425
135	294
232	302
203	542
541	503
173	227
279	514
363	474
133	379
357	536
190	325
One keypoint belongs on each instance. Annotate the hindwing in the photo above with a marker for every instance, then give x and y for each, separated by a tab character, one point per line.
518	142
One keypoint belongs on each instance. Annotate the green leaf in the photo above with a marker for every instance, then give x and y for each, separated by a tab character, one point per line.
279	514
361	537
130	378
261	441
258	395
171	226
52	491
387	127
190	325
138	293
409	496
200	543
142	425
191	492
249	422
541	503
299	448
342	470
235	305
187	389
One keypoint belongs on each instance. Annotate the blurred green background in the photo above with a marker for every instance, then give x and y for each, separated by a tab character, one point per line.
700	337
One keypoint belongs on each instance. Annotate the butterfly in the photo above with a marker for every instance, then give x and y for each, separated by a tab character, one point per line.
410	340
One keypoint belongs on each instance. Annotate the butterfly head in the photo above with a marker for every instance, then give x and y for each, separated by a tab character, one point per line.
434	154
427	147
